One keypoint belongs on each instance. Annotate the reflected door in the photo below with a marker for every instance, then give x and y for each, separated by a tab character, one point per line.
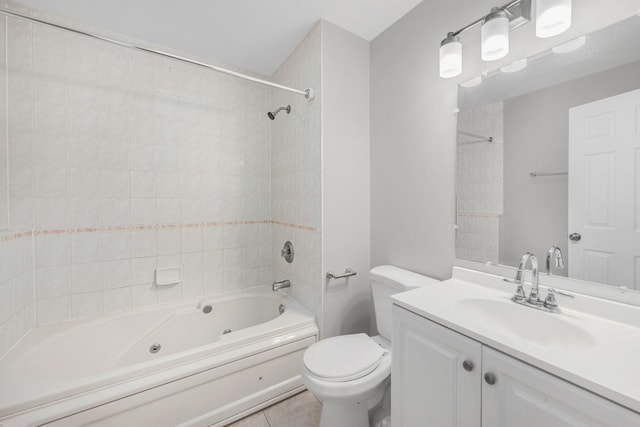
604	190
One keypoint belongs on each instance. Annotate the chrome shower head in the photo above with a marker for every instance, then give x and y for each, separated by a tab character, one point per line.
272	114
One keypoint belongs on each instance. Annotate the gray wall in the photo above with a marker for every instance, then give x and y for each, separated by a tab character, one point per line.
413	125
536	135
345	180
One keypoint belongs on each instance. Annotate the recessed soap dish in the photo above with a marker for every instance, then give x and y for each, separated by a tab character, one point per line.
167	276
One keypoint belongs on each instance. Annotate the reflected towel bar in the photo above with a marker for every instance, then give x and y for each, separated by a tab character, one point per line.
534	174
474	135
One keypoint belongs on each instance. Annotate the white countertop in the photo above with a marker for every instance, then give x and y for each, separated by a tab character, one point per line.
606	361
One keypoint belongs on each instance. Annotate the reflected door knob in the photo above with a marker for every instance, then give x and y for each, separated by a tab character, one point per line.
575	237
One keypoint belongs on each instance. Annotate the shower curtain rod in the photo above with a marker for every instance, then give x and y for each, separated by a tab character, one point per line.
309	93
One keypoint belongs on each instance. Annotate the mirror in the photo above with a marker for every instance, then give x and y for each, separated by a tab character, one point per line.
524	181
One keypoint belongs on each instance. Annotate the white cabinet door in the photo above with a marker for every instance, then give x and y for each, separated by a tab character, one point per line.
430	387
523	396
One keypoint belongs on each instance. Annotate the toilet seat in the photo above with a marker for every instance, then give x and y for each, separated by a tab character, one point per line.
343	358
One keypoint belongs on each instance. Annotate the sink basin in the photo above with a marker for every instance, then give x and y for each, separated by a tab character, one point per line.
546	329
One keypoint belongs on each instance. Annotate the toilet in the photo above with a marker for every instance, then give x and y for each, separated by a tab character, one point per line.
349	373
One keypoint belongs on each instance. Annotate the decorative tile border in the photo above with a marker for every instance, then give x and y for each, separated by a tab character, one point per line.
299	227
6	236
12	235
480	214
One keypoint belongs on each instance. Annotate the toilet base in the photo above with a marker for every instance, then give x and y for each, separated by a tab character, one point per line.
352	414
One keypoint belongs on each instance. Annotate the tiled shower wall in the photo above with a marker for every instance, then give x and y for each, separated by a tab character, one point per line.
479	184
296	175
17	308
121	161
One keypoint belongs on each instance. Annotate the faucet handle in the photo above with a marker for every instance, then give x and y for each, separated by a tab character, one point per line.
550	301
519	295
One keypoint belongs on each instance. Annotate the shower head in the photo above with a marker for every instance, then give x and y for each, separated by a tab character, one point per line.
272	114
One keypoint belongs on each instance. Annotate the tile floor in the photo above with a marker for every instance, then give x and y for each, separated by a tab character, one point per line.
300	410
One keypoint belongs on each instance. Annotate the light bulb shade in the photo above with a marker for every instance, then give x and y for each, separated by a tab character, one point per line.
495	35
552	17
450	57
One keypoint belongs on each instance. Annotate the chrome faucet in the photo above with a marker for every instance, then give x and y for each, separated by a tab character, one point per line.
534	296
549	304
555	253
280	285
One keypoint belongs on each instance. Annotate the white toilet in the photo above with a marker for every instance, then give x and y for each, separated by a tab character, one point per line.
349	373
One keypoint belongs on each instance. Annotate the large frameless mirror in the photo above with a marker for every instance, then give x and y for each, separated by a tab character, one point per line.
548	154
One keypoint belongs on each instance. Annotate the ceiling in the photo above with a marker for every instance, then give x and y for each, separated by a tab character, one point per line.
253	35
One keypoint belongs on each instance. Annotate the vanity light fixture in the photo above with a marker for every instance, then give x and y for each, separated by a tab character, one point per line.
494	35
552	17
450	56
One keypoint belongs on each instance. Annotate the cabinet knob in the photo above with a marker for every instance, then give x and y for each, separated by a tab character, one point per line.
490	378
467	365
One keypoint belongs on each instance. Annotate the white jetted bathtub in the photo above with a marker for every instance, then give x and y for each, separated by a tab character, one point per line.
206	362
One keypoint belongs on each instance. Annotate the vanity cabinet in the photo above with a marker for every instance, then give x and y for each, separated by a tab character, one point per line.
441	378
430	387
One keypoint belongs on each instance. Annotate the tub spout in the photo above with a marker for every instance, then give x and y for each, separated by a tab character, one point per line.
280	285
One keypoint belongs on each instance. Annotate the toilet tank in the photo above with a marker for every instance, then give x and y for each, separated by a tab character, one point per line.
387	280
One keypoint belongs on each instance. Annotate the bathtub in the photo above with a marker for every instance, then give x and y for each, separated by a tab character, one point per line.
201	362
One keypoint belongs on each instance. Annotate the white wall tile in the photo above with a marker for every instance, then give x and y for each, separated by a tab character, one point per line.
86	277
168	184
143	243
87	304
6	309
141	157
53	310
52	213
53	249
143	211
115	211
193	274
118	299
86	247
116	274
84	213
213	238
84	182
114	183
83	151
168	211
169	241
232	236
143	270
53	281
143	184
146	294
116	245
192	239
192	210
169	293
113	156
22	181
52	182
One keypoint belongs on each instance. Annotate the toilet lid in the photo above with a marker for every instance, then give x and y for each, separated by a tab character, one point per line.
343	358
